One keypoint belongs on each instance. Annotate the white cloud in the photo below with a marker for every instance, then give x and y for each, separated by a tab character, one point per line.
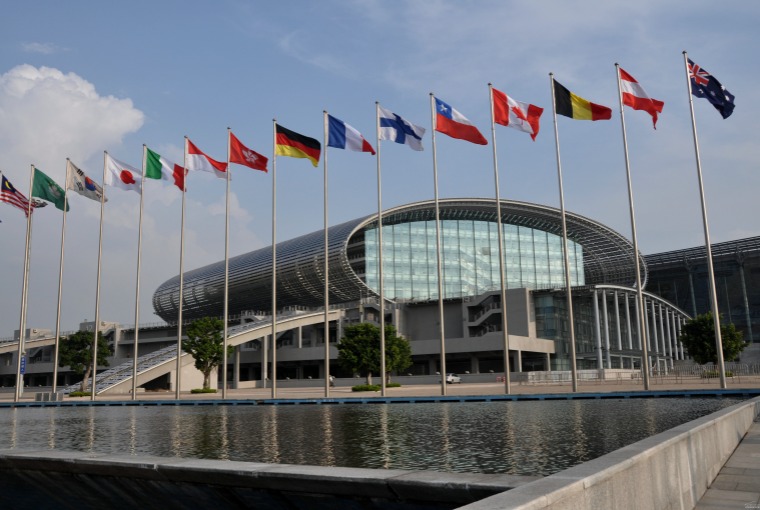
44	48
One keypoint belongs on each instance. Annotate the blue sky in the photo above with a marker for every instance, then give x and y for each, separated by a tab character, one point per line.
78	78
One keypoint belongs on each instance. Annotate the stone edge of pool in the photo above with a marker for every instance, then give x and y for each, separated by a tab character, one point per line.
672	469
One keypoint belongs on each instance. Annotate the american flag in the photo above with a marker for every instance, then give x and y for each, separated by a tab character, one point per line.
11	195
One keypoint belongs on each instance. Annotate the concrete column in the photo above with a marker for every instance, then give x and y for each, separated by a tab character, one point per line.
432	368
675	335
691	292
628	323
655	337
265	359
474	364
598	332
617	324
747	317
518	356
299	337
236	368
680	325
669	334
607	357
548	362
638	323
662	334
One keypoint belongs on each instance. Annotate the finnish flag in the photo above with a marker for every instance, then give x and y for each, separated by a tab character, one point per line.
393	127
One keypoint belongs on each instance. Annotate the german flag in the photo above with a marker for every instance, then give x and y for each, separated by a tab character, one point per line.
290	143
575	107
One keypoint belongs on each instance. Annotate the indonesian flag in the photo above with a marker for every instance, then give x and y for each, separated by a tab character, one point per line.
636	97
242	155
198	160
515	114
122	175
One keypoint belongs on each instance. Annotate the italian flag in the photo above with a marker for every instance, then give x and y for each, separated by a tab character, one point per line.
158	167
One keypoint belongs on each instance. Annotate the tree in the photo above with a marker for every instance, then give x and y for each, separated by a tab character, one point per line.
359	350
75	351
205	343
698	336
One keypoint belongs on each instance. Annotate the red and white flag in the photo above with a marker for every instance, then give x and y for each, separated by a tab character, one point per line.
636	97
515	114
198	160
122	175
242	155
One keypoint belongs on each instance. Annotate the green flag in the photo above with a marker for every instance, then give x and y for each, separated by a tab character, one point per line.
46	188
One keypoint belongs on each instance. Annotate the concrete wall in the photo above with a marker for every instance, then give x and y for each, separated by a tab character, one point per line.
82	481
669	470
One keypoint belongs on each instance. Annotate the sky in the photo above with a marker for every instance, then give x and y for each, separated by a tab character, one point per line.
83	77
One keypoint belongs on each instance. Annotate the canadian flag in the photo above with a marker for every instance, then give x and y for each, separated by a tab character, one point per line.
242	155
515	114
636	97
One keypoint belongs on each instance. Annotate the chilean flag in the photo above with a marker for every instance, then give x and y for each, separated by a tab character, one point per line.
343	136
636	97
450	122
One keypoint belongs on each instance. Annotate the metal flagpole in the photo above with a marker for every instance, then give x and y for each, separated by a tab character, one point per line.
708	248
60	282
639	290
226	271
326	268
381	283
137	281
274	265
178	375
96	329
571	320
24	292
502	264
439	260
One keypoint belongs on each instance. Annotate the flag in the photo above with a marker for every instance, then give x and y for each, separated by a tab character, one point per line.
342	136
77	181
11	195
515	114
242	155
575	107
636	97
450	122
122	175
703	84
393	127
198	160
47	189
290	143
158	167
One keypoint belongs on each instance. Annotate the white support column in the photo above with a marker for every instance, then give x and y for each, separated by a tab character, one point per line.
598	332
656	338
548	362
675	335
617	324
299	337
680	324
519	360
662	335
236	368
628	323
607	356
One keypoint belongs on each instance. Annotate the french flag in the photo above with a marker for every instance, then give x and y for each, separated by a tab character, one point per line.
450	122
343	136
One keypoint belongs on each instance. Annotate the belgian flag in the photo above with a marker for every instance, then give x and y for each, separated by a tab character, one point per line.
575	107
290	143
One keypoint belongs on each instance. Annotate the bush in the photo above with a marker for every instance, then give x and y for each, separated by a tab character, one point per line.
710	374
80	394
203	390
374	387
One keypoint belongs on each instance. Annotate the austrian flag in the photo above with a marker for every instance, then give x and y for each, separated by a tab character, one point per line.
636	97
450	122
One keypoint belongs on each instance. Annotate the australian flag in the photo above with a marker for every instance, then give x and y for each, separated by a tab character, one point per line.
703	84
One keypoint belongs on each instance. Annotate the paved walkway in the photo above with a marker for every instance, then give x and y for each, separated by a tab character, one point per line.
738	483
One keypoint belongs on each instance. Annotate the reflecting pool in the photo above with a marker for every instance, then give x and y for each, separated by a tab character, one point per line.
523	437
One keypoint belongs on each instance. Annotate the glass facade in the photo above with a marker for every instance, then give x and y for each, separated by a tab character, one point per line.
470	256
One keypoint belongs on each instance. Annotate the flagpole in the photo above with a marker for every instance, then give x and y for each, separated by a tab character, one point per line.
226	271
502	268
571	320
381	283
137	281
178	376
274	265
24	292
326	269
96	329
439	261
60	282
708	248
634	238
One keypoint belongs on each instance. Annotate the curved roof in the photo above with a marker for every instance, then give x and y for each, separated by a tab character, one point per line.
608	258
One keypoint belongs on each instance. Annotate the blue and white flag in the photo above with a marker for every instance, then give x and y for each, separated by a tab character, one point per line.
396	129
343	136
703	84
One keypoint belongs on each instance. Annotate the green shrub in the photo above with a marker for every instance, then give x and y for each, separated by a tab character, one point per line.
374	387
203	390
80	394
710	374
393	385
